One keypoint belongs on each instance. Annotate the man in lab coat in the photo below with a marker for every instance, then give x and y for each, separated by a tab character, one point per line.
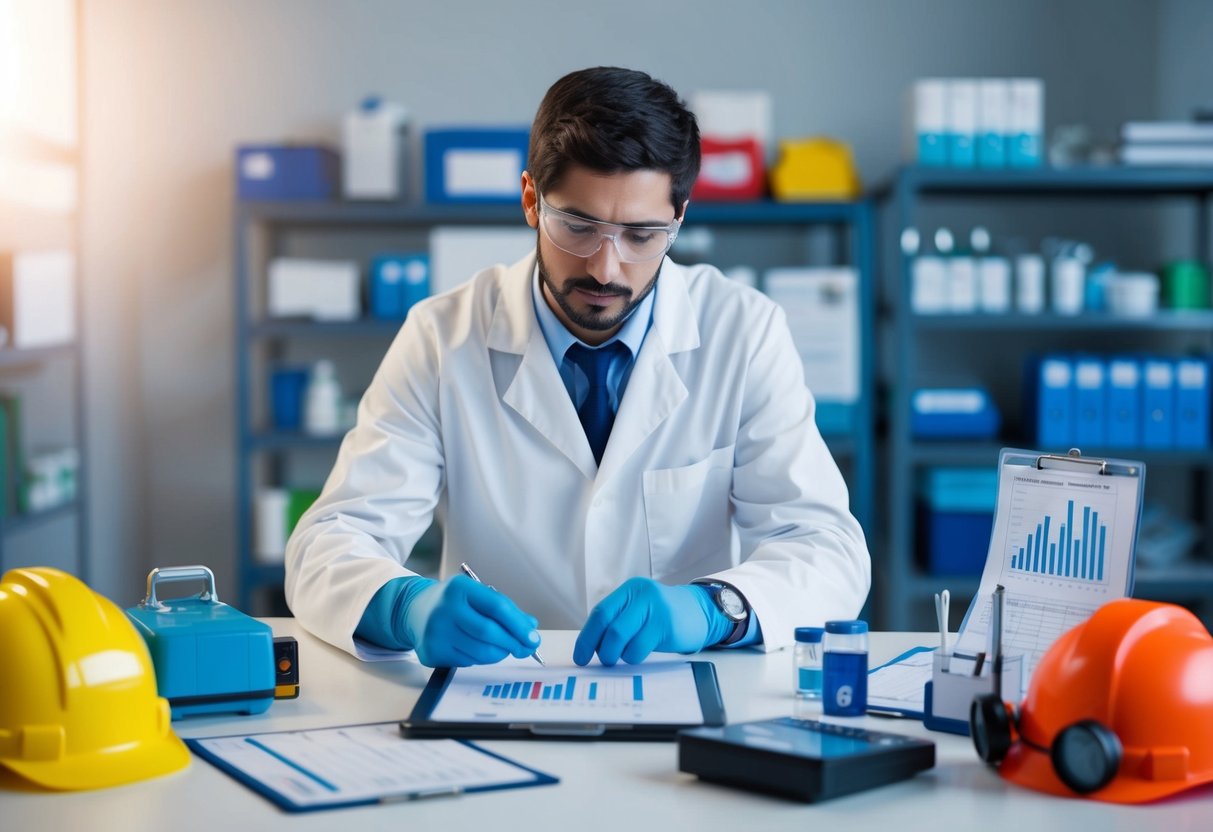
613	442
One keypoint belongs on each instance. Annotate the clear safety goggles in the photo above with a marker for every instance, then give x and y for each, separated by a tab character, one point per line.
583	237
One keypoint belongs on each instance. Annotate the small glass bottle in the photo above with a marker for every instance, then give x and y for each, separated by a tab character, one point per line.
806	674
845	668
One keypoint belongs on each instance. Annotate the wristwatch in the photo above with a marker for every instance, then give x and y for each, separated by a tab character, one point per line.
734	606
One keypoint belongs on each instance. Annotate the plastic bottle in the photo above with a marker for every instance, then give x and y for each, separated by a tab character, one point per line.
845	668
806	674
322	403
372	167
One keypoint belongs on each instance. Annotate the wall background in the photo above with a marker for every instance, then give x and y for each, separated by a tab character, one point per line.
170	88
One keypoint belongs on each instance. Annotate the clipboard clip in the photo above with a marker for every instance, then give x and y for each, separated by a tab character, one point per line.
1073	458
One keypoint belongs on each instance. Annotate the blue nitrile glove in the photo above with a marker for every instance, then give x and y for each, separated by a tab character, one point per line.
642	616
452	623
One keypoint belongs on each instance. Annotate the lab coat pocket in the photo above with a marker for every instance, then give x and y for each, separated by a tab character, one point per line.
687	511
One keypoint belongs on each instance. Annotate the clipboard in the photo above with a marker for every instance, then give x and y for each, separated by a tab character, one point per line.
1063	542
1060	595
359	765
646	702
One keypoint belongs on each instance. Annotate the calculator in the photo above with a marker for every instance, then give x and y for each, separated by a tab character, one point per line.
803	759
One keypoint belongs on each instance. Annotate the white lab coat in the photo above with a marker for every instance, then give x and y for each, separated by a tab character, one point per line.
714	467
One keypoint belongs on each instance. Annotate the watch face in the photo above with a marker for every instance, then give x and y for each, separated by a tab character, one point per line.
730	603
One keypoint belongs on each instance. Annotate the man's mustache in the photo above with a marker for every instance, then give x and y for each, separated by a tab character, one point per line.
589	284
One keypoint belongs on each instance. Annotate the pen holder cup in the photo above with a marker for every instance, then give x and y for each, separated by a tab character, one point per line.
947	697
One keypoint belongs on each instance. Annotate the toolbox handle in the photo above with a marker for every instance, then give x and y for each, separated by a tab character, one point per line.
168	574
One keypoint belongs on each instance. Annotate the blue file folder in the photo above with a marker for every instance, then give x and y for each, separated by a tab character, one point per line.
1192	403
1090	407
1054	381
1158	403
1123	377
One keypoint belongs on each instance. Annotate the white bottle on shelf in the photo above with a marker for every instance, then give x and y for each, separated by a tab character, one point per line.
322	402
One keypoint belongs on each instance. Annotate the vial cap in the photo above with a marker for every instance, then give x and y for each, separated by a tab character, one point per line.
846	628
809	635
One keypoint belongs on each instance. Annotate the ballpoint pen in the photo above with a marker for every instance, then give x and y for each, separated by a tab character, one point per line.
943	601
997	613
467	570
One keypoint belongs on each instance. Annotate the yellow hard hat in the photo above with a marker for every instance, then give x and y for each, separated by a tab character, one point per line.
78	703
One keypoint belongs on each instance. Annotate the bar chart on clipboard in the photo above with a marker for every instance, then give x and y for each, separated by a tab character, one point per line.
1052	537
1062	545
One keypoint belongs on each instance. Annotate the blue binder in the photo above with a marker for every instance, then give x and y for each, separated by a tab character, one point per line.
1158	403
1192	403
1090	408
1123	378
1054	379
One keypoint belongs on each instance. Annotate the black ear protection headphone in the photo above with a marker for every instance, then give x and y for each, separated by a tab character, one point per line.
1085	755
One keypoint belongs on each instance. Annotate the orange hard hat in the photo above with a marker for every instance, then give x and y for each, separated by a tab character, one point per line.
1120	708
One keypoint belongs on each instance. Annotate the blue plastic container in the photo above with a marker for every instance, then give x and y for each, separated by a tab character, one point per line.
845	669
287	388
209	658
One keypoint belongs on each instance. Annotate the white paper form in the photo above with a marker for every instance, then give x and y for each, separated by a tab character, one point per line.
897	686
356	764
822	307
516	691
1062	545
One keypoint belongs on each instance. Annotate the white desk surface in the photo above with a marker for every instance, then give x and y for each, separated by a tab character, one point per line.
616	786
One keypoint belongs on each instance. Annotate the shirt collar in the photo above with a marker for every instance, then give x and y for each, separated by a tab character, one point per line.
559	339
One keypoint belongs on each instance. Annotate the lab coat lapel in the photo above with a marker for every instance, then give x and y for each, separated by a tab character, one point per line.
536	392
654	389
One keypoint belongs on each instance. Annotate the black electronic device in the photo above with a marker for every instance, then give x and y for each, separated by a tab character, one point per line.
802	759
286	668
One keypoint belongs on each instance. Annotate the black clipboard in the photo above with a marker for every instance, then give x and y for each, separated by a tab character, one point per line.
421	724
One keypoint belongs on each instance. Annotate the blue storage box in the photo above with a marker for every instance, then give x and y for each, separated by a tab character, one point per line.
397	282
965	413
209	658
956	519
475	164
281	172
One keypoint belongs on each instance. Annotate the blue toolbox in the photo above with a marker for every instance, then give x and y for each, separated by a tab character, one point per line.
209	657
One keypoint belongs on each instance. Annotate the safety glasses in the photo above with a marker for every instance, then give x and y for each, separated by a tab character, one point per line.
583	237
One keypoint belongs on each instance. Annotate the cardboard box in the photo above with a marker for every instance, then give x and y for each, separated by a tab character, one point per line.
37	298
324	290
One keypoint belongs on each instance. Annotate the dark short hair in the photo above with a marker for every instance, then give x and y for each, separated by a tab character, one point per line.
613	120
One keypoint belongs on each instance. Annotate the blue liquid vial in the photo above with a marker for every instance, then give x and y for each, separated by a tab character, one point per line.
845	668
806	669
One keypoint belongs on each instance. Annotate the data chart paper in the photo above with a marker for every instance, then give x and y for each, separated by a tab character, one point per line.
1062	545
516	698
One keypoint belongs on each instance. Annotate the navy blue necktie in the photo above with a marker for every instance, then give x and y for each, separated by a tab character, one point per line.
595	412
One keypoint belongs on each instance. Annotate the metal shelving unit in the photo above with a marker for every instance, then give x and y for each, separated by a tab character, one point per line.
905	587
261	229
24	537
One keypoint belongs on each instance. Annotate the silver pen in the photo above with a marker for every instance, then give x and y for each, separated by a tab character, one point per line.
467	570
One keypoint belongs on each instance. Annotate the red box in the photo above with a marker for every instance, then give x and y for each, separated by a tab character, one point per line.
730	170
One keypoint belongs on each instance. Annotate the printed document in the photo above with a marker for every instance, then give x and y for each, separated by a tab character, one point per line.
358	764
518	691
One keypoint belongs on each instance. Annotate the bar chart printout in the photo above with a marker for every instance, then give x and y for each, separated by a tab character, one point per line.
616	690
1057	548
1062	545
661	692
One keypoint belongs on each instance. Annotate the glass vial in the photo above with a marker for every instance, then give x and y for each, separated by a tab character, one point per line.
806	672
845	668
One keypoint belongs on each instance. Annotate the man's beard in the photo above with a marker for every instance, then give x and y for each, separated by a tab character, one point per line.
597	319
